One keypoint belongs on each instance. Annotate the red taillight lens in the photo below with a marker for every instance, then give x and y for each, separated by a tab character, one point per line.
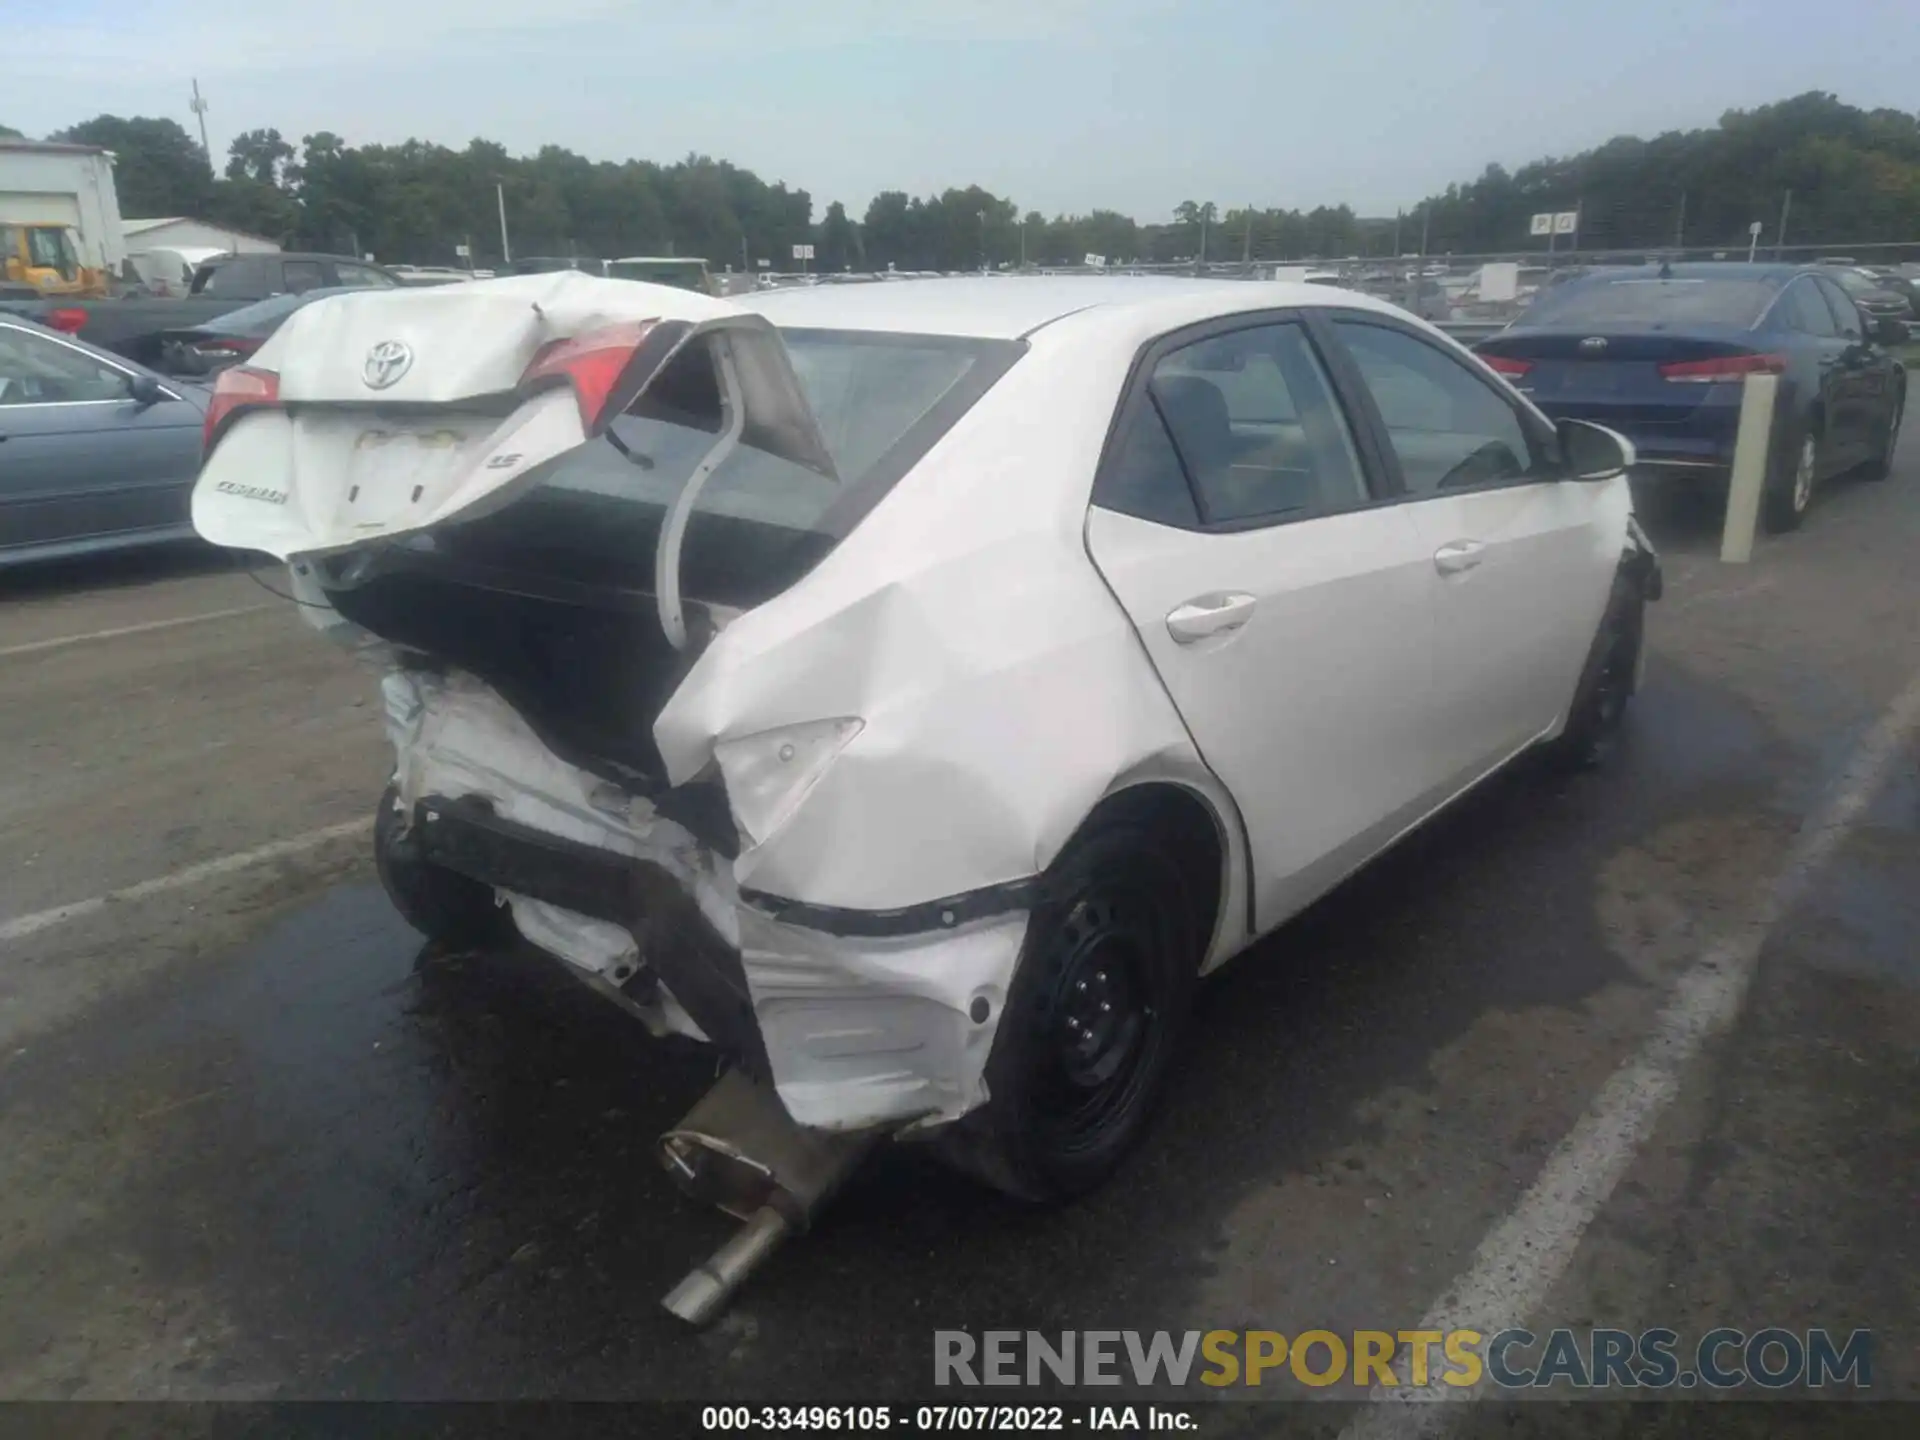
1723	367
237	389
66	320
592	363
1506	365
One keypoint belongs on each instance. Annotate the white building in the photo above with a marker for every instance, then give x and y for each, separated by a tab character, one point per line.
182	232
44	183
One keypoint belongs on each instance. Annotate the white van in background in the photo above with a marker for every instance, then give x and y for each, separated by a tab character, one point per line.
169	270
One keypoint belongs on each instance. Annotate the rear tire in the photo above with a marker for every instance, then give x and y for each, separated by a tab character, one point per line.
1607	684
1098	1004
1881	466
1789	492
440	904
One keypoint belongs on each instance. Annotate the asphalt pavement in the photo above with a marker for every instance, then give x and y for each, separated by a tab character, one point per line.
255	1143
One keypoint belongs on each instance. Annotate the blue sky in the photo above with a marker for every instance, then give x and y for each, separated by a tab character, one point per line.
1063	105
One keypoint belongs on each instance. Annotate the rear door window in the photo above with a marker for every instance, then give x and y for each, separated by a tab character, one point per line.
1846	314
36	370
229	278
300	276
1254	420
1804	310
361	277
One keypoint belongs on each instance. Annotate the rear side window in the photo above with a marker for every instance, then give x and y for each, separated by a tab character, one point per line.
362	277
1845	313
1143	476
1804	310
300	276
229	277
1652	302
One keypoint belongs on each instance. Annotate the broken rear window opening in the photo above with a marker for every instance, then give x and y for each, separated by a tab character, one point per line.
551	598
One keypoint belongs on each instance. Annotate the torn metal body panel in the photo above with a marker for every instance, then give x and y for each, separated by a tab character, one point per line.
857	1031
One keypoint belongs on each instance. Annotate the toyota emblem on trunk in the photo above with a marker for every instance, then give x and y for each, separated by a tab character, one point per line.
1592	342
386	363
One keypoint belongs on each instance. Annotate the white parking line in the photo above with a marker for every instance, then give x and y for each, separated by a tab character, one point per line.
60	640
1521	1257
22	926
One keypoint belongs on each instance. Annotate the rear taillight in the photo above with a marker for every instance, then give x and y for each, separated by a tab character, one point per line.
1723	368
592	364
66	320
1506	365
237	389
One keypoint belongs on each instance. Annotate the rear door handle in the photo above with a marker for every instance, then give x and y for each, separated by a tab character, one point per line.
1458	555
1206	615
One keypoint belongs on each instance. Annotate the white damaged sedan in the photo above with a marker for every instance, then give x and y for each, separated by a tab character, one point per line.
911	689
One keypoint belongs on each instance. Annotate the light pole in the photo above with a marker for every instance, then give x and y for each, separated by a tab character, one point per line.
506	250
199	108
983	240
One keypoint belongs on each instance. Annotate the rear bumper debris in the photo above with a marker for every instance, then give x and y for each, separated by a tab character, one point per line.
858	1020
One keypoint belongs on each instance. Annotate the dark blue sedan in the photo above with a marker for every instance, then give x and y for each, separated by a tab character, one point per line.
1659	353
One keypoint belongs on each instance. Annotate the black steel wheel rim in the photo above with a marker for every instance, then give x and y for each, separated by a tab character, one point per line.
1096	1023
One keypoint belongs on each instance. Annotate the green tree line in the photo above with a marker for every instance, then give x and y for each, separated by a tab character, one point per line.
1854	176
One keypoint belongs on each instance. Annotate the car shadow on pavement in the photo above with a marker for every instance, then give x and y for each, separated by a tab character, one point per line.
122	569
1681	516
439	1180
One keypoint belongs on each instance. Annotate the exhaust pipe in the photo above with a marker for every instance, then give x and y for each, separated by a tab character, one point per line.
738	1149
711	1285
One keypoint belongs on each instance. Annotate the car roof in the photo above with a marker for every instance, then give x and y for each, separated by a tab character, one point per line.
223	257
1700	270
1012	306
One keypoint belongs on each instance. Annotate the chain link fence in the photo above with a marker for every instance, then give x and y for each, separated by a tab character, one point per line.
1469	295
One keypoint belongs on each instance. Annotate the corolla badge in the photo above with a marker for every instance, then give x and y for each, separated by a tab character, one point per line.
1593	343
386	363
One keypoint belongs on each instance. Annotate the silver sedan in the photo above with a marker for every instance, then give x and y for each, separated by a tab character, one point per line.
96	452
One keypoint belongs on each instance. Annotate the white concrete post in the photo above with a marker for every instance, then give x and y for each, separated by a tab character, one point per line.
1750	449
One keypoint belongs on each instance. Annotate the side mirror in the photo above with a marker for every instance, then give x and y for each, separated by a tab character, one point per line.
1593	452
1889	331
145	390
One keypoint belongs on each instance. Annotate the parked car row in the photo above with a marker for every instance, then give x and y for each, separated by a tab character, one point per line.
96	452
1660	353
136	326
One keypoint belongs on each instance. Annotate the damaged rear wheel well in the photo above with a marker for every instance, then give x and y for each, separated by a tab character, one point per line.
1192	835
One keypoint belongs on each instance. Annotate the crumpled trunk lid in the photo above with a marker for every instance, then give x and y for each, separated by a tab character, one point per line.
398	411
